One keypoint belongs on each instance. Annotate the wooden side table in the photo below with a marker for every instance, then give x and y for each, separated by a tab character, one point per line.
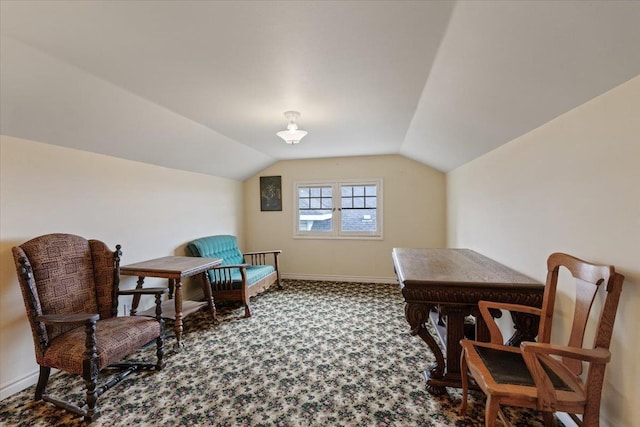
173	268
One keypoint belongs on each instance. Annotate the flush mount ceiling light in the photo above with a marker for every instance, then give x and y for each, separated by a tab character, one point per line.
292	135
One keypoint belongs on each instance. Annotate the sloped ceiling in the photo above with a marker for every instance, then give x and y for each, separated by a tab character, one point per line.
203	86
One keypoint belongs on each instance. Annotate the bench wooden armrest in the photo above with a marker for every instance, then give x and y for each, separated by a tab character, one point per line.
230	266
276	251
260	257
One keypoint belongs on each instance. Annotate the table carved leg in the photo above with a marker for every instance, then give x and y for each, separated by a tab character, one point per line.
417	316
446	371
455	332
526	328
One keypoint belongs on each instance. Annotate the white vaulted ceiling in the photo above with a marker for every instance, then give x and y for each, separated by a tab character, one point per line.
203	86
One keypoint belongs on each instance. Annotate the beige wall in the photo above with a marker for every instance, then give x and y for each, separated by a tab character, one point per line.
414	215
151	211
572	185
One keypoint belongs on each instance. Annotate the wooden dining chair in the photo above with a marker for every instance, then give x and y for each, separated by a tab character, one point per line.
540	375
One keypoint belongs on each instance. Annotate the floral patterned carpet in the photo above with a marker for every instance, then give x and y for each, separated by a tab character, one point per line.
312	354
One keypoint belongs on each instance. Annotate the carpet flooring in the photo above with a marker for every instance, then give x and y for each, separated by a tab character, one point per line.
313	354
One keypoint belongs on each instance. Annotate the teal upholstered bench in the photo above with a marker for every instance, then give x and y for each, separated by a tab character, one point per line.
240	276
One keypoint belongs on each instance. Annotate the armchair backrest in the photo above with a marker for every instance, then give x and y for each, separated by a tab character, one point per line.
65	274
221	246
589	279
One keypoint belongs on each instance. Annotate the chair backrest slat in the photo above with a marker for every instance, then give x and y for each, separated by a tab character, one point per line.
589	279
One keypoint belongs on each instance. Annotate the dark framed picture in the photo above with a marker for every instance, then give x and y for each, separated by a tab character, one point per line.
270	193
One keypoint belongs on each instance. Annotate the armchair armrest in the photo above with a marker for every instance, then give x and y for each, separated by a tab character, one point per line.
61	319
143	291
494	330
532	353
595	355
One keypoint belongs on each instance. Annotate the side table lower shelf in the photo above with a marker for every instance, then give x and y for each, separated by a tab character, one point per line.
169	309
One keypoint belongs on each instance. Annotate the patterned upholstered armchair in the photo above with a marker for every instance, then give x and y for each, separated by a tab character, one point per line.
70	290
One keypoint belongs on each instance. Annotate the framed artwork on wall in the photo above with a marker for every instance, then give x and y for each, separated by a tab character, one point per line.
270	193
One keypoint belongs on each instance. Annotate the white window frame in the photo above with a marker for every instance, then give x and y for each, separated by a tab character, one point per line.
337	233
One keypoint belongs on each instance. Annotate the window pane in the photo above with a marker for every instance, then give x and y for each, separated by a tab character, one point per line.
314	192
347	202
326	191
371	202
359	220
358	191
358	202
320	220
303	192
327	203
314	203
346	191
370	190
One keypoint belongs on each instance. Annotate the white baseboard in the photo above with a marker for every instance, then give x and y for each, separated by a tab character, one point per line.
331	278
19	385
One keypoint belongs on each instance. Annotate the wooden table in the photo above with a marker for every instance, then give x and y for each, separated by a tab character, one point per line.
444	286
173	268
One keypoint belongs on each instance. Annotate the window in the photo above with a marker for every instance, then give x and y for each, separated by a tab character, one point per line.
339	210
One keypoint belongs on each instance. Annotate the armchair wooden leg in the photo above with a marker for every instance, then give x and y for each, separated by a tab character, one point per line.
160	339
548	419
43	379
464	378
491	412
591	416
160	352
90	372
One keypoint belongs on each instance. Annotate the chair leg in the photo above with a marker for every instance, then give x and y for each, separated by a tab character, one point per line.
464	378
246	299
591	416
92	397
90	372
43	379
160	352
247	310
160	339
548	419
491	412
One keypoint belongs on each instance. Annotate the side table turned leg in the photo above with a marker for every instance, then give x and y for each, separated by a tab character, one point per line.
136	298
208	296
178	306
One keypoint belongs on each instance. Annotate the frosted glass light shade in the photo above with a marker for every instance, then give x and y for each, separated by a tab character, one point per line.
292	136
